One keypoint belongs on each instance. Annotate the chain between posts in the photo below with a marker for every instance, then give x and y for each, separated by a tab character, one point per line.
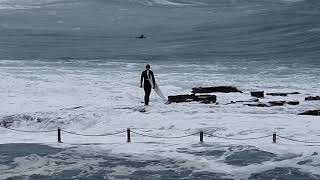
274	135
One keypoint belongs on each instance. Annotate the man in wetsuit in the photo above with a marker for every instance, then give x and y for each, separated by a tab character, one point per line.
147	77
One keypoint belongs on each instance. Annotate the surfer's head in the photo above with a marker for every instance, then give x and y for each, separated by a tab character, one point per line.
148	66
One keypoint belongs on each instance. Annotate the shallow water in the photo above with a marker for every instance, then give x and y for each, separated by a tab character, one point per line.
89	162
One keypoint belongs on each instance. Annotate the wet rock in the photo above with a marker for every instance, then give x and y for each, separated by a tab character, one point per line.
311	113
277	94
223	89
192	97
277	103
234	102
294	93
273	103
207	99
181	98
282	94
257	94
258	105
312	98
293	103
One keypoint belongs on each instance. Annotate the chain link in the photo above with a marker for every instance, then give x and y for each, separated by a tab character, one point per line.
104	134
164	137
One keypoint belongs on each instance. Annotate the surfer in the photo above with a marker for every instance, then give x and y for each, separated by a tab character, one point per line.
148	80
141	36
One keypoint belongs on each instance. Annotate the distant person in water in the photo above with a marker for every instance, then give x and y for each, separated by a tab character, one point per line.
148	80
141	36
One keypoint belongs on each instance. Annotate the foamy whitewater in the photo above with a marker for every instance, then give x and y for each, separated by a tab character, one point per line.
61	68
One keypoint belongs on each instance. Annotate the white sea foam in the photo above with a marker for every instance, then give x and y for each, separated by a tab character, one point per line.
50	90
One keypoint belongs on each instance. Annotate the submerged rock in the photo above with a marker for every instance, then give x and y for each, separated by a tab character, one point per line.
258	94
312	98
282	94
277	103
293	103
258	105
248	101
273	103
223	89
192	97
311	113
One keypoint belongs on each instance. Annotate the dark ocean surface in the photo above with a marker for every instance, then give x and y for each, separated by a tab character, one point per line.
180	30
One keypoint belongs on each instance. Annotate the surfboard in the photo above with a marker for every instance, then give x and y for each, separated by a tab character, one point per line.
157	90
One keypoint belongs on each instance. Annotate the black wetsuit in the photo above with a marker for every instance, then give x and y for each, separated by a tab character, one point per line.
147	85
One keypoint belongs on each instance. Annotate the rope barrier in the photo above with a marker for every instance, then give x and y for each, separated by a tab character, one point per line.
19	130
295	140
165	137
241	139
105	134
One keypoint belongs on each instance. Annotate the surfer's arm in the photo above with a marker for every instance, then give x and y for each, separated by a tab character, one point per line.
153	80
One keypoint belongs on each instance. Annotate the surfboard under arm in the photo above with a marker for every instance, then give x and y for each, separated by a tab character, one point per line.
157	90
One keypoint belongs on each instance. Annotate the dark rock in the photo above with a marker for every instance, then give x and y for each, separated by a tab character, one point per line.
294	93
273	103
258	105
258	94
312	98
277	94
234	102
193	97
282	94
276	103
181	98
207	99
293	103
311	113
252	100
223	89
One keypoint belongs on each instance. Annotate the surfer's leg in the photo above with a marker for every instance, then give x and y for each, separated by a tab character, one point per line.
147	91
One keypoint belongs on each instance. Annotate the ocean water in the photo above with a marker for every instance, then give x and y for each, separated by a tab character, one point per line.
76	64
